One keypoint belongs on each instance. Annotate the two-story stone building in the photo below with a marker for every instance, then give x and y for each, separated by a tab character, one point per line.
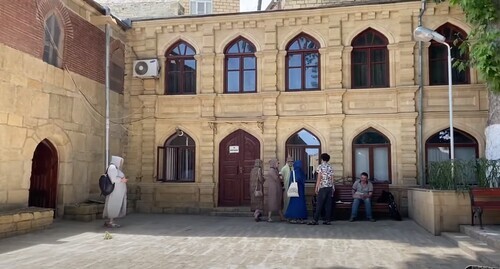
341	79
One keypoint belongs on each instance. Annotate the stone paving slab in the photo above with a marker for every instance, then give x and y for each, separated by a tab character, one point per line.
178	241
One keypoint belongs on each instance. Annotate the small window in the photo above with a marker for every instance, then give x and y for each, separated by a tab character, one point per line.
306	147
176	159
370	60
438	57
117	72
303	64
180	75
52	48
201	7
241	67
372	154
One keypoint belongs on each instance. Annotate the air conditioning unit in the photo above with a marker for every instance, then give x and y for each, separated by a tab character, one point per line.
146	68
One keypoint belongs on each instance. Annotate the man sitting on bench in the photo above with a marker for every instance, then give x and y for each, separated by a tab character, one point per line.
362	190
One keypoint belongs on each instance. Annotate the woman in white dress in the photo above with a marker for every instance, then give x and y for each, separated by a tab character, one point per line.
116	202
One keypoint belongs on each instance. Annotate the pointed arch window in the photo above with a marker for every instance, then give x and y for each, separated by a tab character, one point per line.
240	67
370	60
180	75
303	64
438	146
372	154
53	41
304	146
176	159
438	57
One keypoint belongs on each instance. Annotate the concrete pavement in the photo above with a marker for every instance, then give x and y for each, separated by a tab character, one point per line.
181	241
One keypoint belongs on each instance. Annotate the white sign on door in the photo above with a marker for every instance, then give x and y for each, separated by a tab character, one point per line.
234	149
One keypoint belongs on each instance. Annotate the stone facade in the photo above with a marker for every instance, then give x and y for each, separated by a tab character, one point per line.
336	114
291	4
135	9
42	102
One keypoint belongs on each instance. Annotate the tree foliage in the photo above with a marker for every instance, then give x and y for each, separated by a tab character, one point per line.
483	43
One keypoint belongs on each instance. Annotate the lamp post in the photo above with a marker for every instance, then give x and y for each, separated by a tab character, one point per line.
426	35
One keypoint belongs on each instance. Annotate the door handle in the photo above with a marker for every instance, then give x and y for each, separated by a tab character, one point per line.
239	170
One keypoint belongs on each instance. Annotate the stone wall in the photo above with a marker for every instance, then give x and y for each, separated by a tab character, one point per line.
61	105
289	4
24	221
144	8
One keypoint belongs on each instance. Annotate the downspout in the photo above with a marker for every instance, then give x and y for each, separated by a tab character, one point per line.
421	148
108	37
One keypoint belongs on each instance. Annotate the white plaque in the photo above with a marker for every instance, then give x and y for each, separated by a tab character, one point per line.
234	149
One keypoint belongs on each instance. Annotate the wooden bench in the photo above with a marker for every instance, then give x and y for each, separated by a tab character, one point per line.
343	197
483	199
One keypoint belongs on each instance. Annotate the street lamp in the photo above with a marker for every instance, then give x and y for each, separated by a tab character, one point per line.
426	35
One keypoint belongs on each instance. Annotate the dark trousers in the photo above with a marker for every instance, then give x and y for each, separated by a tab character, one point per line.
324	201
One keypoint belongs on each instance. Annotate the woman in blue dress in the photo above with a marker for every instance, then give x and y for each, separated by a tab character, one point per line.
297	209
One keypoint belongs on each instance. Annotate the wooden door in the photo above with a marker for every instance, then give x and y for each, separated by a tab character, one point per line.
237	154
43	181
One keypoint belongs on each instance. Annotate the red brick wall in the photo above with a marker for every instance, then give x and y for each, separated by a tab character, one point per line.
21	27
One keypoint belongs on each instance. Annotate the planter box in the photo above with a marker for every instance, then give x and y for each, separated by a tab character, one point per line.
443	210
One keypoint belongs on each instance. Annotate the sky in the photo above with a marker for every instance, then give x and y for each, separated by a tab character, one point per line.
249	5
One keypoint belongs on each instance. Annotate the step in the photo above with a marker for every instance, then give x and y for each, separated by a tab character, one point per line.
475	248
490	234
231	214
232	209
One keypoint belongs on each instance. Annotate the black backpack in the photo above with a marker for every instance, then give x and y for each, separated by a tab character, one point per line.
105	184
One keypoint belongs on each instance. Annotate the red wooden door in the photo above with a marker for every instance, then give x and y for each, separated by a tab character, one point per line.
43	182
237	154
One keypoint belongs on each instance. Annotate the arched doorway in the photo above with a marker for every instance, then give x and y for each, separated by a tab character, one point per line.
43	181
237	154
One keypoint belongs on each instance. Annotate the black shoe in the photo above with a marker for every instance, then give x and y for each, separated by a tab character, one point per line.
372	220
312	223
351	219
327	223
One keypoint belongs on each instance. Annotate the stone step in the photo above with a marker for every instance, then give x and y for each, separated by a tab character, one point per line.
231	214
490	234
475	248
232	209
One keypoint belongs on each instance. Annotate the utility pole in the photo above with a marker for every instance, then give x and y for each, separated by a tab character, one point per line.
259	5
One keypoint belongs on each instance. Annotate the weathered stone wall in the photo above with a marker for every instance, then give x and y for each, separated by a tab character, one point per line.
335	114
144	8
24	221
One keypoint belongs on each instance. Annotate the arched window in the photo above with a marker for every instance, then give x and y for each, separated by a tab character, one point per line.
372	154
438	57
180	75
303	64
176	159
370	60
306	147
241	67
438	146
53	41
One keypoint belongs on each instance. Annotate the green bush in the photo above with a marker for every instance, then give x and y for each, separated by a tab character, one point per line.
462	174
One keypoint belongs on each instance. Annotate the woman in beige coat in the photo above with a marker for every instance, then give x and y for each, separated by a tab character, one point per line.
116	202
257	190
274	190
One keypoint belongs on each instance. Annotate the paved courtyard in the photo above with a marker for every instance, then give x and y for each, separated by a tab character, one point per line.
179	241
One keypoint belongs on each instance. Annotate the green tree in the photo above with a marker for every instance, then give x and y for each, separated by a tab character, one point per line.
483	44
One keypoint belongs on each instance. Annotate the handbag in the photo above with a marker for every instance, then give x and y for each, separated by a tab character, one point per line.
293	189
257	192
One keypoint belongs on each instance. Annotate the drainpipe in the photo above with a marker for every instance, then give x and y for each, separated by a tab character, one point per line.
108	34
421	148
